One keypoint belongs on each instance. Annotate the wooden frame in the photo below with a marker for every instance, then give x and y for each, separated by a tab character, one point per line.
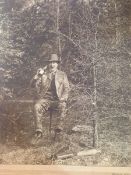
61	170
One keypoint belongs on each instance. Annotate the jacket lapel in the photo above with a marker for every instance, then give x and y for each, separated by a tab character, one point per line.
58	84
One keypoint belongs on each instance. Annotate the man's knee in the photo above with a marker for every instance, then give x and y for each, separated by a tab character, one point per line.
37	108
40	106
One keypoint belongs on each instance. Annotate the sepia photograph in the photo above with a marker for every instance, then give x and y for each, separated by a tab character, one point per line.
65	83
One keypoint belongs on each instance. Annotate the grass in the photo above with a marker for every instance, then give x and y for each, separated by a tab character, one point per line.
114	143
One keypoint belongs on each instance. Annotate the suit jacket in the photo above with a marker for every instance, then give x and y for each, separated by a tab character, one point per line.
61	83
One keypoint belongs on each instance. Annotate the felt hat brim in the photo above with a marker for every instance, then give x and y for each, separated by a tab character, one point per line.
54	58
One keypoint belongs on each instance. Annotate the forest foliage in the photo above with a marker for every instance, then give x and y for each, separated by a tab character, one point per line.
92	38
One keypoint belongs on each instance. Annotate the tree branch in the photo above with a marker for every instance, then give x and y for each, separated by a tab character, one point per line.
68	38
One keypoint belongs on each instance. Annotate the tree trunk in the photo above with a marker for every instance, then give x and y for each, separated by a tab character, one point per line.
57	28
117	28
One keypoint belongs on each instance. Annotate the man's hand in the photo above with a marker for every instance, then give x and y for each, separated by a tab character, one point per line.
40	72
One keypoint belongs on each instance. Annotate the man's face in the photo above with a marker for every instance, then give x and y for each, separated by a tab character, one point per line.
53	66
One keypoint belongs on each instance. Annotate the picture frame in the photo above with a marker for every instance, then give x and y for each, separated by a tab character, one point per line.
91	39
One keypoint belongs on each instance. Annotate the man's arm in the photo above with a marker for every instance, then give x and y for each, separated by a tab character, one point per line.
36	77
33	81
66	89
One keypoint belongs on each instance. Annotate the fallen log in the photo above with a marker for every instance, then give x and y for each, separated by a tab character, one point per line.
88	152
66	156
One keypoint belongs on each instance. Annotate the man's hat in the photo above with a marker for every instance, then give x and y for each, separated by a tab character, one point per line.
54	58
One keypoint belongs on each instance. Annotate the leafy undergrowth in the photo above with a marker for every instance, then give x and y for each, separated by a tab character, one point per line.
114	144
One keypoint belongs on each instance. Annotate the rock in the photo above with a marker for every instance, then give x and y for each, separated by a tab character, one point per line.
66	156
88	152
83	144
81	128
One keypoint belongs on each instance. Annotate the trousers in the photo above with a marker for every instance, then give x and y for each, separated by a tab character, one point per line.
42	106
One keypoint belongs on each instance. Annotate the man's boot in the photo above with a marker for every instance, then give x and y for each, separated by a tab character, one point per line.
38	134
37	138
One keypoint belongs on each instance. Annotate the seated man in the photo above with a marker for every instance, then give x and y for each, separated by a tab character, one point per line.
52	89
